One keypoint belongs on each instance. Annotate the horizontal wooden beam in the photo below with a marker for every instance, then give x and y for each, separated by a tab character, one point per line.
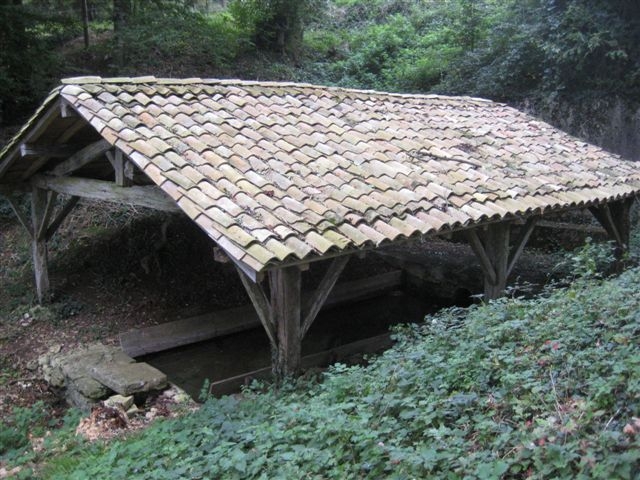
50	151
81	158
178	333
149	197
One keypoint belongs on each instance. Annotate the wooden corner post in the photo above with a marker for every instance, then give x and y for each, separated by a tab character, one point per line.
286	303
284	315
496	257
41	206
616	220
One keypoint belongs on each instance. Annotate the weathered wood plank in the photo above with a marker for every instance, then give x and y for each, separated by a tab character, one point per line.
150	197
189	330
50	151
66	209
81	158
39	245
322	292
286	298
216	324
123	172
371	345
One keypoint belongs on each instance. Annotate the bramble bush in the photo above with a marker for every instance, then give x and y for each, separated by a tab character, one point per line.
516	388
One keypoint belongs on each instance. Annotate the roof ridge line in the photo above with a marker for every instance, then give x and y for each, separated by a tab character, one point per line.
150	79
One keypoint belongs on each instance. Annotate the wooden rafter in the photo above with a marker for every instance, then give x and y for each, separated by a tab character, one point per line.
148	196
81	158
322	292
35	131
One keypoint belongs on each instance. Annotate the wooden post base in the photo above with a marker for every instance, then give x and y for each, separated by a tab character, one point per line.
615	218
283	315
495	255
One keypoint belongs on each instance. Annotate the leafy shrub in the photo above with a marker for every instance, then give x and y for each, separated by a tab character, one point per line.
31	435
543	388
173	41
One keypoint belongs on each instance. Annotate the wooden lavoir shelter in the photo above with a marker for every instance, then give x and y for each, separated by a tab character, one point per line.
281	175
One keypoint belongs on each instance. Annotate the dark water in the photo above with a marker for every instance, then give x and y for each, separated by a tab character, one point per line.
224	357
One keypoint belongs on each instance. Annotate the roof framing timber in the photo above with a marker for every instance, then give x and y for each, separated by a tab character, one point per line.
82	158
142	196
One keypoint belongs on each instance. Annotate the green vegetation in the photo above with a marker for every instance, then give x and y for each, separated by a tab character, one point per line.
575	62
540	388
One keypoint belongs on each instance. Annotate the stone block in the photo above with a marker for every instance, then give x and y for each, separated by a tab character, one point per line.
129	378
125	402
90	388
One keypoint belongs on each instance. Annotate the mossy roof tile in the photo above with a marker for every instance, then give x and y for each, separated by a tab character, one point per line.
314	169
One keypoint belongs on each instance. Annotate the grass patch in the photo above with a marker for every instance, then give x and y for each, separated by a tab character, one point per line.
542	388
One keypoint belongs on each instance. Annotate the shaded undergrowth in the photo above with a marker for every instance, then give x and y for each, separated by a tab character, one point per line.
540	388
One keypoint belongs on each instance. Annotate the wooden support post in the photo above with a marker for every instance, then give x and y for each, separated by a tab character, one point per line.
39	201
282	316
521	241
615	219
493	253
285	289
497	248
123	171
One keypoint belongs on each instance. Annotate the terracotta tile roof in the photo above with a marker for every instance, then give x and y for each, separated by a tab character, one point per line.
278	173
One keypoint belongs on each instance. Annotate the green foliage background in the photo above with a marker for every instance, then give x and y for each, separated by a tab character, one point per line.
574	62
